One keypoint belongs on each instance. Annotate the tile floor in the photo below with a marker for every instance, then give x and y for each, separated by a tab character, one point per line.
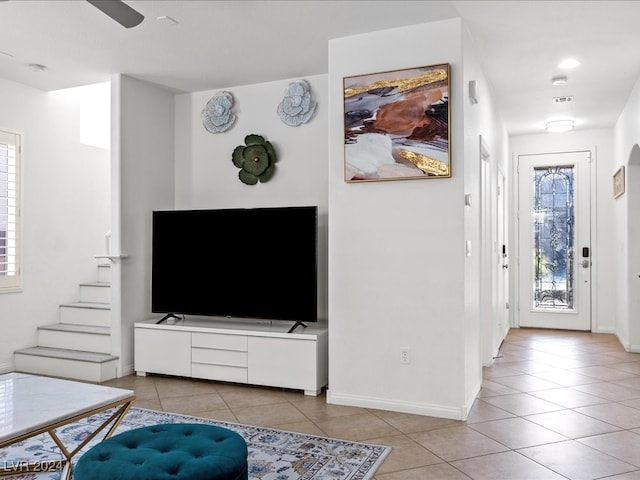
555	405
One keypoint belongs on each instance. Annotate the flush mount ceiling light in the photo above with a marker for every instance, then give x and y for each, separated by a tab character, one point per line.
568	63
559	126
559	80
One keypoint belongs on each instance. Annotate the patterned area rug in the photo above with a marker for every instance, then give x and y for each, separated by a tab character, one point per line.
273	454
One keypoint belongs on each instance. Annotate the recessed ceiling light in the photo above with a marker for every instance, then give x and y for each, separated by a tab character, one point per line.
559	126
559	80
568	63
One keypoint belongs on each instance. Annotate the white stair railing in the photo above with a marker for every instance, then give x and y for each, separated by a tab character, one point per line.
107	248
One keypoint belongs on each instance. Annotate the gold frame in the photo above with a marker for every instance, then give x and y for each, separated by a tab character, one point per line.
618	182
64	464
397	124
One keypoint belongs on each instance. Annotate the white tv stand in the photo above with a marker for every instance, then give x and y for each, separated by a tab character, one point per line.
234	351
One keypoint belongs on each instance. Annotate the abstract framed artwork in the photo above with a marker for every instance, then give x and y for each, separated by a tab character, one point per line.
618	182
396	125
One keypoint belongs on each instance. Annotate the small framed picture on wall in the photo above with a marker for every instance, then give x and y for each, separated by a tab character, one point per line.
618	182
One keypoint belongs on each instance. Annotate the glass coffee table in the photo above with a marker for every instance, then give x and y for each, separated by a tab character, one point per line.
31	405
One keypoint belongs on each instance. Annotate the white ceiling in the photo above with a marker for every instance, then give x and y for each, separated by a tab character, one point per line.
221	44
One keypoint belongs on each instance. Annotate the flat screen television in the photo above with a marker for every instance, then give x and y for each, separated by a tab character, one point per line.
245	263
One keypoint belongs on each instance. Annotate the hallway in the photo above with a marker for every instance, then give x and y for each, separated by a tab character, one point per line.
555	405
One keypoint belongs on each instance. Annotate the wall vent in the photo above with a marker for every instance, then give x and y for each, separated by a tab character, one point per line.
565	99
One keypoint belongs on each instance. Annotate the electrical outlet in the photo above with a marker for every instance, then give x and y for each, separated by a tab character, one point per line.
404	356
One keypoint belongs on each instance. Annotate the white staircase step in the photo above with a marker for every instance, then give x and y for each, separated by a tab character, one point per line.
104	273
75	364
92	338
95	292
86	313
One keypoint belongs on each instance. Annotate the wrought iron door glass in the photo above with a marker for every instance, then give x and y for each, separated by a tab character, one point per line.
554	238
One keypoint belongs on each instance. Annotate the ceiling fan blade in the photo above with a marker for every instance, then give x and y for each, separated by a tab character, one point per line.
119	11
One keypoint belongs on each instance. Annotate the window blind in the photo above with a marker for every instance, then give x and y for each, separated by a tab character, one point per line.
9	211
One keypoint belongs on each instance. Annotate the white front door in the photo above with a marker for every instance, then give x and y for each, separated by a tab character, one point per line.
554	240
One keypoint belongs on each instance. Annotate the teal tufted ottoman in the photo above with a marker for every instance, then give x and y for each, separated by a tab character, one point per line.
178	451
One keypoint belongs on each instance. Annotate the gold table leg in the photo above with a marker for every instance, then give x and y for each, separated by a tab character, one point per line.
64	464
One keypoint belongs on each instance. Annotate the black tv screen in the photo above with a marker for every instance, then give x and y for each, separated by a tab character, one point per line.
258	263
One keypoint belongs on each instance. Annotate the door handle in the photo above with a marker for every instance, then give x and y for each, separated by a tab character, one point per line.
585	263
505	265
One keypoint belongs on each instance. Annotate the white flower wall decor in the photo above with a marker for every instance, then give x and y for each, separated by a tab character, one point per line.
297	106
217	116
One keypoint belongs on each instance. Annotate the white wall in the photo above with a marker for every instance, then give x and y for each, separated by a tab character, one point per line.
65	210
481	123
627	226
605	249
397	261
206	177
143	172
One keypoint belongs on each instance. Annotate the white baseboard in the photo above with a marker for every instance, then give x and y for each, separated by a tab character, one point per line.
471	400
6	368
392	405
126	371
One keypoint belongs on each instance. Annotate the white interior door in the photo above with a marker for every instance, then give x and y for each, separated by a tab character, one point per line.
554	240
502	261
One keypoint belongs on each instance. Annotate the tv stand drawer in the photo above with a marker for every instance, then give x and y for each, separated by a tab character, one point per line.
215	356
224	373
219	341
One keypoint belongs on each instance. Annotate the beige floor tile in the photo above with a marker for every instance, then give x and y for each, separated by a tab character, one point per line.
306	427
522	404
632	403
624	446
497	371
576	461
604	373
222	415
408	423
517	433
505	466
485	412
526	383
631	382
490	388
317	408
406	454
441	471
569	397
193	404
614	413
360	427
572	424
179	387
148	403
626	476
239	396
456	443
269	415
527	366
485	446
566	378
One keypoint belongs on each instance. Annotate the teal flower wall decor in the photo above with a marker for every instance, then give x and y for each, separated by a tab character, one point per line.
217	116
297	106
256	160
